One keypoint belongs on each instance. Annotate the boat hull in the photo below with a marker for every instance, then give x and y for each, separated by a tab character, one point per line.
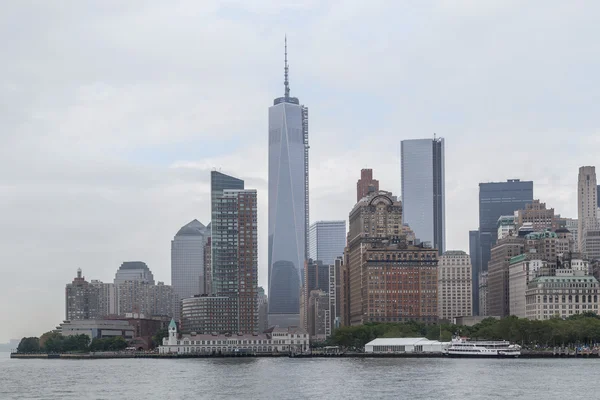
482	355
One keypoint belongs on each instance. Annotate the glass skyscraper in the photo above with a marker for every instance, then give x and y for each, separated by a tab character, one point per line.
288	205
187	259
423	190
326	241
497	199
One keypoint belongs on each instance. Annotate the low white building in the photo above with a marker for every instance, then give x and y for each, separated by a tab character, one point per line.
405	345
101	328
274	340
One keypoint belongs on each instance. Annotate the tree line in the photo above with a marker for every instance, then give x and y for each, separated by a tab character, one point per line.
54	342
580	329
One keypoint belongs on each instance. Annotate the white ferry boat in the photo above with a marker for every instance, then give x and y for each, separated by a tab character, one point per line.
462	347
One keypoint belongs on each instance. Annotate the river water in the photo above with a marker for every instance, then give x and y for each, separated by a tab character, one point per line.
284	378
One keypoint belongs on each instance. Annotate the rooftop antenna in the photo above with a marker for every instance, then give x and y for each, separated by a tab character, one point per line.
286	82
434	137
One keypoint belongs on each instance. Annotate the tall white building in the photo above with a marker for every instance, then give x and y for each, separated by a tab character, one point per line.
187	259
423	190
587	202
326	241
455	285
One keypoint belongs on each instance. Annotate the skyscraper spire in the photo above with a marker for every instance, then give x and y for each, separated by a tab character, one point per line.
286	82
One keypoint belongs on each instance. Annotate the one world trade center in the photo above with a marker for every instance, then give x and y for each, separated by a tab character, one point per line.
288	205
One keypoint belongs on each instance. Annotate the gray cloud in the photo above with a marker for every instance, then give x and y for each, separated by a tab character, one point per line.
114	113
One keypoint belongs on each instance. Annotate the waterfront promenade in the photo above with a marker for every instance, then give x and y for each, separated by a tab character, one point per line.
117	355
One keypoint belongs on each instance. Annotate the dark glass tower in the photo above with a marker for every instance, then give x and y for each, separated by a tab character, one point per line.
288	205
497	199
475	254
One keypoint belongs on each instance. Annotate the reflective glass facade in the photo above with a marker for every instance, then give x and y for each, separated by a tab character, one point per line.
288	208
326	241
497	199
423	190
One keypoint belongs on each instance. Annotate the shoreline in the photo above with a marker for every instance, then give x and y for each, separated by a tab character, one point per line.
105	356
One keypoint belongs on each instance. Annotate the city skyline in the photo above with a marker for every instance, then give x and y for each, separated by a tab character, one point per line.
108	159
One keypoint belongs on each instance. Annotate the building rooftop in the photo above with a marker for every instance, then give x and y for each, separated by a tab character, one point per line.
401	342
194	228
134	265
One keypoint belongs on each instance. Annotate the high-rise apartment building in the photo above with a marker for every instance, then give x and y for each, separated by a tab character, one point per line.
235	254
587	201
146	298
389	278
187	260
81	299
107	300
423	190
495	200
326	241
455	285
288	205
208	314
366	184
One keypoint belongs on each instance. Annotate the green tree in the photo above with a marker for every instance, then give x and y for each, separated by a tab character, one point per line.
158	337
29	345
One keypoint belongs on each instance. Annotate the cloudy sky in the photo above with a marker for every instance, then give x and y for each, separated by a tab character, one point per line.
113	114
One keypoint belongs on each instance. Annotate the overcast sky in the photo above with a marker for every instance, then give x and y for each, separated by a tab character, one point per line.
113	113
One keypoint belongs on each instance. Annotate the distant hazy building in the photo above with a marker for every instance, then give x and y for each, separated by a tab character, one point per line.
423	190
587	201
495	200
327	240
187	259
146	298
288	205
455	285
107	300
366	184
133	271
263	310
81	299
389	278
591	240
572	224
208	265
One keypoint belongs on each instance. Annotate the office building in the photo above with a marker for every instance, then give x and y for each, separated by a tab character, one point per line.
133	271
475	254
319	324
506	226
288	205
315	277
326	241
495	200
366	184
570	290
591	240
498	302
483	292
572	224
587	201
423	190
537	216
455	285
81	299
97	329
263	310
389	278
235	254
208	264
187	260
